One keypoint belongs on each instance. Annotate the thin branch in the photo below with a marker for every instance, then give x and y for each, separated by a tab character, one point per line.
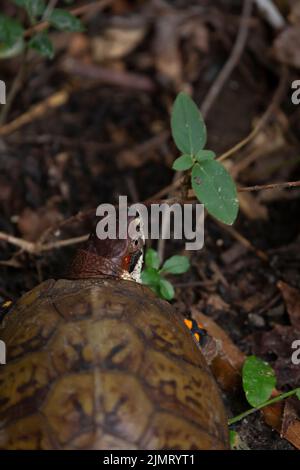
61	243
55	100
19	242
107	75
271	13
233	60
264	119
37	248
243	240
259	187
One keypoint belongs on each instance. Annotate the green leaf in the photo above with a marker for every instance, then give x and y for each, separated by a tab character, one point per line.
155	289
7	52
166	289
205	155
150	277
11	31
215	188
188	127
20	3
42	44
176	265
64	21
258	380
151	259
298	393
35	7
185	162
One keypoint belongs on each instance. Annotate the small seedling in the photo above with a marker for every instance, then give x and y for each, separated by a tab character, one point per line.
12	37
210	180
259	381
153	275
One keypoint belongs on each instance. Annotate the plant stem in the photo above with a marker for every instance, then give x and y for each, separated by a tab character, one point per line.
259	407
50	7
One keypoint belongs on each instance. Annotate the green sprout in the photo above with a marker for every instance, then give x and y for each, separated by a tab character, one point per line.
259	381
153	274
12	31
210	180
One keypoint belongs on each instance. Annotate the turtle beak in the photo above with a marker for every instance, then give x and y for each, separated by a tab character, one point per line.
136	266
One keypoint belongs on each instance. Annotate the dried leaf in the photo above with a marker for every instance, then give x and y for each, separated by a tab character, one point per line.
290	415
290	426
227	360
116	43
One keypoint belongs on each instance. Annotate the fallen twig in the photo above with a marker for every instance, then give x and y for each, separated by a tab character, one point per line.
61	97
38	248
243	240
53	101
19	242
232	61
271	13
259	187
108	76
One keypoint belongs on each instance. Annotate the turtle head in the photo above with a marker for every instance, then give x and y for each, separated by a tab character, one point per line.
116	257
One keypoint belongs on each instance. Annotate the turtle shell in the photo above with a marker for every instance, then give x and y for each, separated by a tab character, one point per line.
104	364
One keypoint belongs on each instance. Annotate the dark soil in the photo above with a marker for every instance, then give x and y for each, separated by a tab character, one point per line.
88	151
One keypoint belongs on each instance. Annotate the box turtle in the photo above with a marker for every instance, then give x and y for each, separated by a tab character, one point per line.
97	361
